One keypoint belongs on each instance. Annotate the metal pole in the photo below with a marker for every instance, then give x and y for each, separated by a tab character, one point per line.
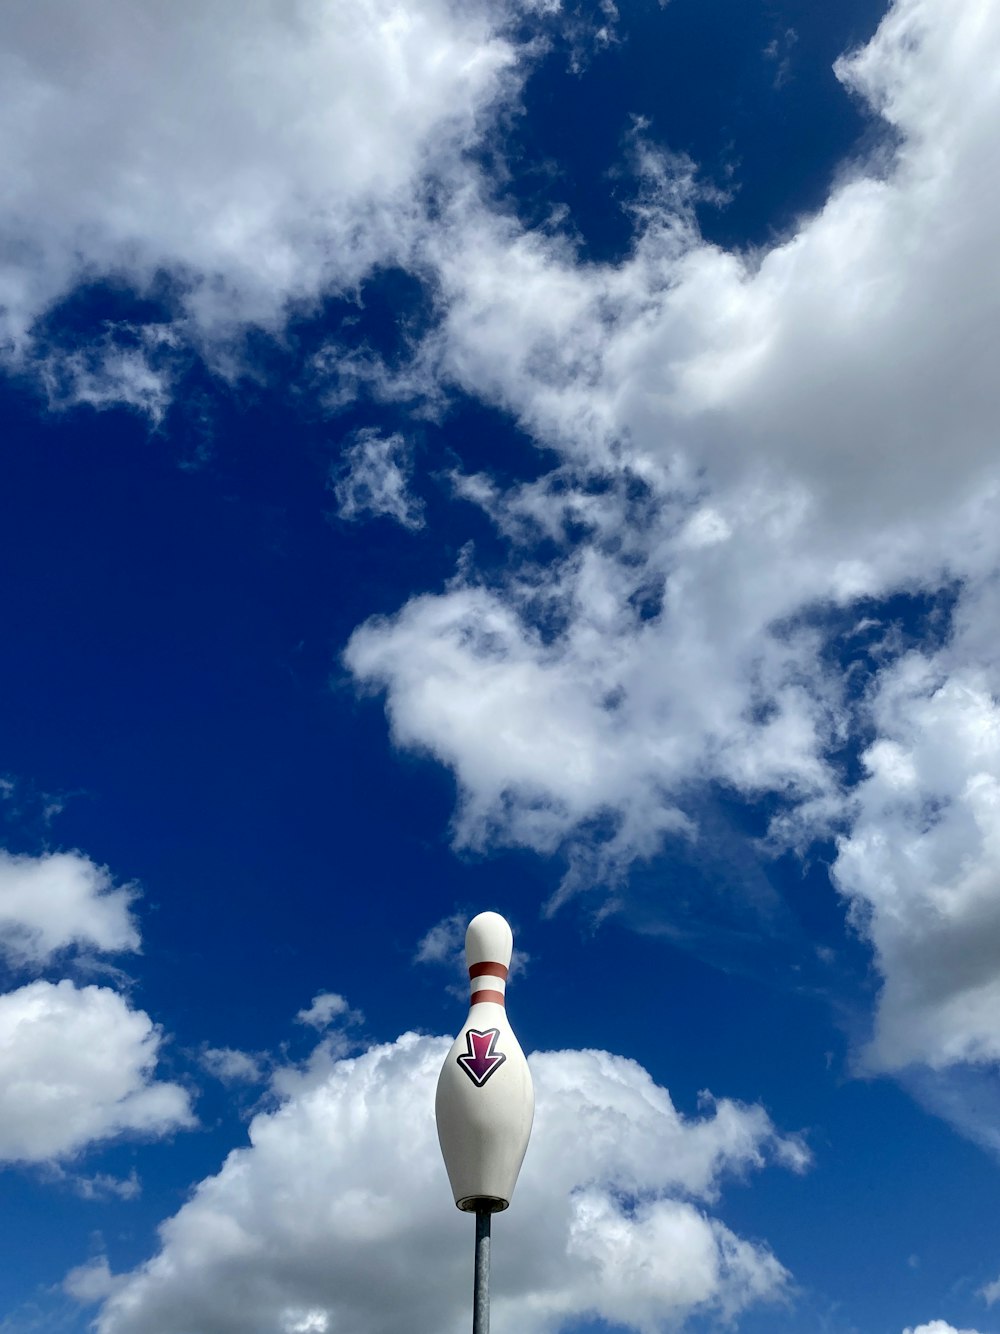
481	1291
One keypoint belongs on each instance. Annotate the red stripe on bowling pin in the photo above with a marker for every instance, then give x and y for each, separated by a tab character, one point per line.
493	995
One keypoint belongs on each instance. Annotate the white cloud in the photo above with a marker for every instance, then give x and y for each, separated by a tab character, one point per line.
60	900
444	942
339	1214
97	1186
713	372
247	160
375	478
128	366
232	1066
938	1327
749	444
615	712
76	1067
921	864
91	1282
324	1007
744	438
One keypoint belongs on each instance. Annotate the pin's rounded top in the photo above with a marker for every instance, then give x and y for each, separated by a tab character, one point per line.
488	940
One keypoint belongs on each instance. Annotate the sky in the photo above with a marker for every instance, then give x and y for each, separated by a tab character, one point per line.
528	455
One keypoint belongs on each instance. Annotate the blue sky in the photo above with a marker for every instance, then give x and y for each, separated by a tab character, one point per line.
512	455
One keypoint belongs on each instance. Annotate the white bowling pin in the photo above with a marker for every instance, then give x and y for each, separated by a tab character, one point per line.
485	1102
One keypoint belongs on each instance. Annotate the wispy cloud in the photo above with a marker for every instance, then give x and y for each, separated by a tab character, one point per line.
374	479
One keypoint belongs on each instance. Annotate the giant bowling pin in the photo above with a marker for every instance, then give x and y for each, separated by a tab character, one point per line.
485	1102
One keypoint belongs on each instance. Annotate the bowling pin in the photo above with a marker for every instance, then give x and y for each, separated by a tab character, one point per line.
485	1102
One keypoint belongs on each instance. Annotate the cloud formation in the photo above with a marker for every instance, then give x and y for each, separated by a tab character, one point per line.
238	164
91	1282
921	864
757	451
374	480
76	1067
77	1064
231	1066
938	1327
339	1212
324	1008
58	901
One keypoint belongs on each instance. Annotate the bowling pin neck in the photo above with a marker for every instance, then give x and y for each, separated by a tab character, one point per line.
488	983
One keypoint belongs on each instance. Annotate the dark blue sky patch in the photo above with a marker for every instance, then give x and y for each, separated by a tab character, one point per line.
389	314
862	639
760	113
106	303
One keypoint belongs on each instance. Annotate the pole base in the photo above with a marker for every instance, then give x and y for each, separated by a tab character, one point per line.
482	1204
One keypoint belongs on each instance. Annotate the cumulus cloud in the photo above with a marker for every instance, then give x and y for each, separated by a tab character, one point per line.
339	1214
938	1327
374	480
921	864
234	163
61	900
755	451
724	483
77	1066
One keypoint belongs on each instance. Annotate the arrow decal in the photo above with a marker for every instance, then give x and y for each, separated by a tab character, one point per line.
480	1061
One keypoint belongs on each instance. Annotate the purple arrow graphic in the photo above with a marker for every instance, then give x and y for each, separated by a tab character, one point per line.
481	1059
